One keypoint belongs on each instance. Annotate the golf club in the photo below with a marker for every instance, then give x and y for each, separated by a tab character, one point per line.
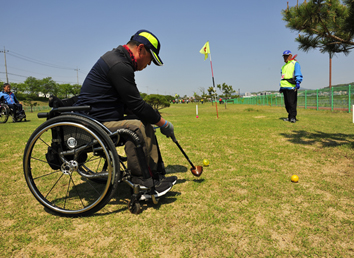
196	170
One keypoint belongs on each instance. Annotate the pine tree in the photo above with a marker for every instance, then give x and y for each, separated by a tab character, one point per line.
324	24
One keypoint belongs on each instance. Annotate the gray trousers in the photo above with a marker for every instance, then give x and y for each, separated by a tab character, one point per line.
148	140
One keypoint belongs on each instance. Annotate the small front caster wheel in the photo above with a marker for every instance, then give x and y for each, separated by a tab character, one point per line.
134	207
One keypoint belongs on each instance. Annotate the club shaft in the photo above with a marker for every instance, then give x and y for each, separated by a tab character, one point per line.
179	146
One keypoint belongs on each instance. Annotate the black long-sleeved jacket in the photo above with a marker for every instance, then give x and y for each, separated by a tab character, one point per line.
110	89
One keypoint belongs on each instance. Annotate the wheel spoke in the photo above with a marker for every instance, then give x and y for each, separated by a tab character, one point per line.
53	186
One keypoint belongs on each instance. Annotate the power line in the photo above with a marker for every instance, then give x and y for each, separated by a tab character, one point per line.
16	75
32	60
29	76
18	69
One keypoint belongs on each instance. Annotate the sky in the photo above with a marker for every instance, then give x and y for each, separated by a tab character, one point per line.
63	39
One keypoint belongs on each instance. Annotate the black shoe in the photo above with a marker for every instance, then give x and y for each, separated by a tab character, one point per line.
293	120
162	186
158	187
286	119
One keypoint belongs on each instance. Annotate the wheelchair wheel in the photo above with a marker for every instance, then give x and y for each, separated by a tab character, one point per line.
135	207
61	157
4	113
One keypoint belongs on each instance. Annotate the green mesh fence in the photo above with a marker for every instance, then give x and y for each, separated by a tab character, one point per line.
35	108
334	98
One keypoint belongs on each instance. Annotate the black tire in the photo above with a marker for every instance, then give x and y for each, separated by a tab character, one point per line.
4	113
57	172
135	208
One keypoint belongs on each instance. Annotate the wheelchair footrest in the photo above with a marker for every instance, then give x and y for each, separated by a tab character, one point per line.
142	191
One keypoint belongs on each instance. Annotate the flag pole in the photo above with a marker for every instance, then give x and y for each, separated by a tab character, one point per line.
212	75
206	50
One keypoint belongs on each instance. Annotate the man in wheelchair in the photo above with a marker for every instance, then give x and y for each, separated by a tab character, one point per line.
10	99
111	91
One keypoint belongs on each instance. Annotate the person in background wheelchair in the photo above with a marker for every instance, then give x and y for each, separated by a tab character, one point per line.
111	91
11	100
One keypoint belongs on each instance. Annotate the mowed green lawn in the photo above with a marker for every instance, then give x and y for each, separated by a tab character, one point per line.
243	205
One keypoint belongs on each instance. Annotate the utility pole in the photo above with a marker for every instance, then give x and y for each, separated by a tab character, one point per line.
77	74
330	70
330	79
7	78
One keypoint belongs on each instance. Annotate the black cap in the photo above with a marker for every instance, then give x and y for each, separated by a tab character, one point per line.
151	42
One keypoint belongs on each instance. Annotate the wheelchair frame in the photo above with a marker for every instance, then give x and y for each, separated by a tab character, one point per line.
6	111
72	167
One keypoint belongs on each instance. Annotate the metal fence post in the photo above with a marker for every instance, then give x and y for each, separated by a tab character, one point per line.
305	99
268	100
349	100
317	99
332	98
281	99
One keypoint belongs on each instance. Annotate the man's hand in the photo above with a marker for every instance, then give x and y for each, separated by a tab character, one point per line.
168	130
297	85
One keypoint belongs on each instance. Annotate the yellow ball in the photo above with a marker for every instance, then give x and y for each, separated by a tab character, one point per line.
205	162
294	179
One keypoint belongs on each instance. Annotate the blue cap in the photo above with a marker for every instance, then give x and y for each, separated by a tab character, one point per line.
151	42
286	52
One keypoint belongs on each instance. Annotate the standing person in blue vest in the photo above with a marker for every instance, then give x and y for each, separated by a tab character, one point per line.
291	78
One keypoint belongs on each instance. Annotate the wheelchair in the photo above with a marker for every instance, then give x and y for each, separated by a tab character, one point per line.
72	167
6	111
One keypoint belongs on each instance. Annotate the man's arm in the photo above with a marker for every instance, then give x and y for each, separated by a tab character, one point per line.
122	78
297	73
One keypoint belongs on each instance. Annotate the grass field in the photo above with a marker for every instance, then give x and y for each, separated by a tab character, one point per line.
244	204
